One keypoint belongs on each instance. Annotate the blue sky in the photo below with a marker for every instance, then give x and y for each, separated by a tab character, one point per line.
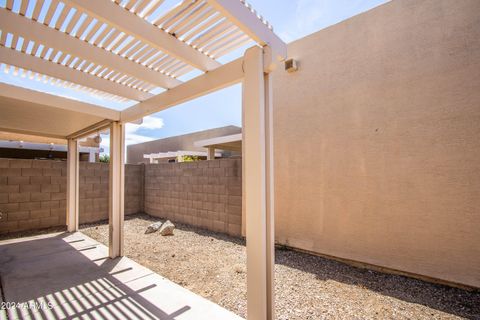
291	19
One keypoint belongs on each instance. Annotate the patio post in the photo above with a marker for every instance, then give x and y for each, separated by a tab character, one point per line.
211	153
116	189
72	185
258	185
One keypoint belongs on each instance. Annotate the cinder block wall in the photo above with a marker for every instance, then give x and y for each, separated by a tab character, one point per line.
207	194
33	193
94	191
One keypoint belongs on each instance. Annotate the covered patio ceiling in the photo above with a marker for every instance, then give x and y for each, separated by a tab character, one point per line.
139	52
119	51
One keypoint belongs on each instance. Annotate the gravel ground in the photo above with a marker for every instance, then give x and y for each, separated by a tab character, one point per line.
307	287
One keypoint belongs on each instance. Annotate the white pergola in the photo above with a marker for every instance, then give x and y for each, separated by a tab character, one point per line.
126	50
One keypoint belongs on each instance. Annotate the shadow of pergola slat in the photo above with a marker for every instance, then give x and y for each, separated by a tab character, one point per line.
75	283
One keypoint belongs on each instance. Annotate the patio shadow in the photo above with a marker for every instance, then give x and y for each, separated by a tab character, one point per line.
67	276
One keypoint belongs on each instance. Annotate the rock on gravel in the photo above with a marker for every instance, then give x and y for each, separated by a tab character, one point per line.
153	227
167	228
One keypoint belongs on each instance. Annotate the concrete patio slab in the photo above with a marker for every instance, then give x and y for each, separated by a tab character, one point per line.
69	276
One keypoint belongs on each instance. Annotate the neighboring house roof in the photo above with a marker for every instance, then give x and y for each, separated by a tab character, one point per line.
231	142
176	143
175	154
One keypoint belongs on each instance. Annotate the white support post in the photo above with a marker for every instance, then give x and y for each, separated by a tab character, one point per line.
211	153
116	189
258	186
72	185
92	154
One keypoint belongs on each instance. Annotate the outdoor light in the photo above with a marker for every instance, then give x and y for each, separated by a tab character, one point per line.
291	65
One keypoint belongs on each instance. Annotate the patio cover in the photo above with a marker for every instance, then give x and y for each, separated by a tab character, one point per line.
133	51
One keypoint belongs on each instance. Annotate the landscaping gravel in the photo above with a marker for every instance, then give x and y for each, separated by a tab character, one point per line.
307	287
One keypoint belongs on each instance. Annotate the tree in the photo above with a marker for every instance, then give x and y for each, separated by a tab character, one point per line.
104	158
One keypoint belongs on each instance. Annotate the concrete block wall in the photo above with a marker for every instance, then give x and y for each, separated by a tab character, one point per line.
206	194
93	191
33	193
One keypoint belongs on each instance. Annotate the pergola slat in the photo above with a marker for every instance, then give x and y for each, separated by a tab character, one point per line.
51	10
129	23
50	37
84	25
154	5
181	16
238	13
142	5
42	66
102	35
37	10
73	21
62	17
195	19
204	26
23	7
239	42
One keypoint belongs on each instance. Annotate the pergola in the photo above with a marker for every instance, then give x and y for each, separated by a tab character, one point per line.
124	50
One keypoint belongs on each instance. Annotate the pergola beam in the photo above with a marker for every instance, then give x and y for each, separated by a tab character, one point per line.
37	97
248	22
217	79
29	29
42	66
131	24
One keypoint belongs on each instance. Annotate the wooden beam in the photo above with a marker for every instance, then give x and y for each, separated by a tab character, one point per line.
257	166
116	189
29	29
72	185
51	100
141	29
42	66
217	79
85	132
240	15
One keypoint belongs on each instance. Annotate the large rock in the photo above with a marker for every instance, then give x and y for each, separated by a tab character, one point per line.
167	228
153	227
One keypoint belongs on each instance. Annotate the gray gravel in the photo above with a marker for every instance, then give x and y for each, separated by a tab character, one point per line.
307	287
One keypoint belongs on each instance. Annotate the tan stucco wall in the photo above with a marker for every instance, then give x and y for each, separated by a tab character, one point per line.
377	140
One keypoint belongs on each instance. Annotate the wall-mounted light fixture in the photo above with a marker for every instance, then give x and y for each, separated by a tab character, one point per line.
291	65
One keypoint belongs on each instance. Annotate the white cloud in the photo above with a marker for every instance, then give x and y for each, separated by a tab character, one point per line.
149	122
304	20
312	15
131	132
